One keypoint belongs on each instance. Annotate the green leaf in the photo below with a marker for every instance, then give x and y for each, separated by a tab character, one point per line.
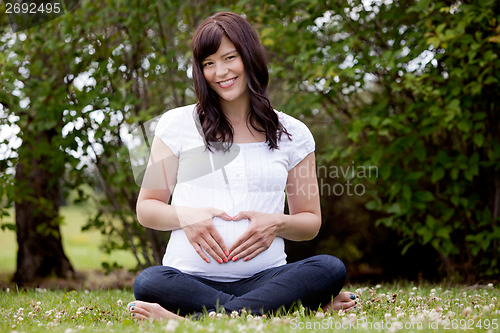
8	226
395	208
373	205
430	222
424	196
478	139
437	174
443	232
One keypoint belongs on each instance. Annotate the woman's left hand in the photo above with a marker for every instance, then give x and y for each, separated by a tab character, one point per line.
257	238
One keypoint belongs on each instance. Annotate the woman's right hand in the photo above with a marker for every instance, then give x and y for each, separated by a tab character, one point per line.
200	230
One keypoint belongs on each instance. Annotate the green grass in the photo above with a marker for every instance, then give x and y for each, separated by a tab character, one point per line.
380	308
82	248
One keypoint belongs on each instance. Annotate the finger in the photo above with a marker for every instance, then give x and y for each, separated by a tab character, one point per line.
238	246
209	248
241	215
200	252
223	215
245	248
252	251
219	245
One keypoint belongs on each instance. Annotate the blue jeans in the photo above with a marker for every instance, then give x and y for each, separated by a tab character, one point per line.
313	281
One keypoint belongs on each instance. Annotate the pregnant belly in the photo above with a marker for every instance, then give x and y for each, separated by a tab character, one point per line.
180	254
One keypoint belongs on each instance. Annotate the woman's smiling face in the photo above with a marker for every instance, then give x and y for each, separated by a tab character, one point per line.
225	73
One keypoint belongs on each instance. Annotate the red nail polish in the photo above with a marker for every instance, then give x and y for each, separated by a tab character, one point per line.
219	261
207	260
224	259
230	257
235	258
226	253
246	259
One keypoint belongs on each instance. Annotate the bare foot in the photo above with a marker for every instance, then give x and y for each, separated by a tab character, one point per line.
144	310
342	301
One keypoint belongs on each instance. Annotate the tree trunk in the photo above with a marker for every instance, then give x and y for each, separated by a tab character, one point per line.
40	253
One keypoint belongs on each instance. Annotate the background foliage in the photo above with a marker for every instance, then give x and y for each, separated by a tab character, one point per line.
408	87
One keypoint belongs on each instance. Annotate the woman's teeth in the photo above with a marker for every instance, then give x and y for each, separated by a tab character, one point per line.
227	82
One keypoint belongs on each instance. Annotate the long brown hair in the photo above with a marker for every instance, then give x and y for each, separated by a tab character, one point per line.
206	41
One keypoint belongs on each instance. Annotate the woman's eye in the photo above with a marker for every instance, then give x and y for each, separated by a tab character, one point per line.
207	64
230	57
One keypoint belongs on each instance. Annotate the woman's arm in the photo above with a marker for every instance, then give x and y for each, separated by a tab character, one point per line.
302	191
153	210
302	223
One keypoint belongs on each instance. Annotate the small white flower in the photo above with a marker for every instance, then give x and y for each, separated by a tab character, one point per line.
172	325
72	302
212	314
119	302
490	284
234	314
320	315
110	323
467	311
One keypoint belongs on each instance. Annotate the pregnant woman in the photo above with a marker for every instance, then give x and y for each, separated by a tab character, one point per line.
226	163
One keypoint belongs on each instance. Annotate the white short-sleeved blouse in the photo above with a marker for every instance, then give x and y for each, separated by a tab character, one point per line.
250	177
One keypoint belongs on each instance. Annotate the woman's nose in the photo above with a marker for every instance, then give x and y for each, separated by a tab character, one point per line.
221	70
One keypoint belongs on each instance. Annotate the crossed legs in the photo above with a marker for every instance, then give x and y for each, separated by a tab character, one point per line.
164	292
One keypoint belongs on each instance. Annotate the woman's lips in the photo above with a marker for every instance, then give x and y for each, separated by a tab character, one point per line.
227	83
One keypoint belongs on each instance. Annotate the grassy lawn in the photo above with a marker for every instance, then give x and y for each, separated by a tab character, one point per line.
82	248
389	307
404	307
